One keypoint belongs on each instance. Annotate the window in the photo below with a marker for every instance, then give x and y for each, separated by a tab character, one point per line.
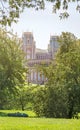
28	41
28	51
28	56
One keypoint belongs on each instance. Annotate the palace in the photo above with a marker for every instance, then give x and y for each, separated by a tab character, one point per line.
37	56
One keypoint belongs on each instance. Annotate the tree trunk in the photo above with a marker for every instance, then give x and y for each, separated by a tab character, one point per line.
70	114
22	107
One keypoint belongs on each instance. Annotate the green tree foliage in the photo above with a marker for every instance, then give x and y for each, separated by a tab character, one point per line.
38	100
10	9
23	97
62	93
70	60
11	65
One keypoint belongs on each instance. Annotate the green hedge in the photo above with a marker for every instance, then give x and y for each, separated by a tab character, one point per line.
18	114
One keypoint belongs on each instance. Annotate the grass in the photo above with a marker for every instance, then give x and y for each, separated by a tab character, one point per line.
20	123
10	123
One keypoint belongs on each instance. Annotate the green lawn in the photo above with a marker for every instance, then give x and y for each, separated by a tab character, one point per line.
12	123
20	123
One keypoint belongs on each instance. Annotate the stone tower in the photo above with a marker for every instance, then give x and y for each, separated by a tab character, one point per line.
53	46
28	45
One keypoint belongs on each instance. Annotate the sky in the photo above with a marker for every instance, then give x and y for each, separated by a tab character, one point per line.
45	23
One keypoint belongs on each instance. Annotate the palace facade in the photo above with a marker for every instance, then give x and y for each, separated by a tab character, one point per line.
36	56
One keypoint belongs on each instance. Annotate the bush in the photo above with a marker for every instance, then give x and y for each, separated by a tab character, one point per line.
18	114
3	114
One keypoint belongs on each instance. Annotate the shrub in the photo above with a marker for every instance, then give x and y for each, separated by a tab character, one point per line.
18	114
3	114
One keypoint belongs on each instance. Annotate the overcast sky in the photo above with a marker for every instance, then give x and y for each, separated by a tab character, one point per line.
45	23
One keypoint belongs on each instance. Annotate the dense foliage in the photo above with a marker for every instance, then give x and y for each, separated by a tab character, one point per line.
11	66
62	91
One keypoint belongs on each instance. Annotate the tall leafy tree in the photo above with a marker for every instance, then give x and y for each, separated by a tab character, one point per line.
63	86
69	57
12	67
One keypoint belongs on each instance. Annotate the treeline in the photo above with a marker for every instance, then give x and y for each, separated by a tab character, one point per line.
59	97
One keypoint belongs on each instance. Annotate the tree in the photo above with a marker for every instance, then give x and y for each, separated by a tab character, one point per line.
12	69
67	72
38	100
10	9
63	87
23	97
70	59
54	103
